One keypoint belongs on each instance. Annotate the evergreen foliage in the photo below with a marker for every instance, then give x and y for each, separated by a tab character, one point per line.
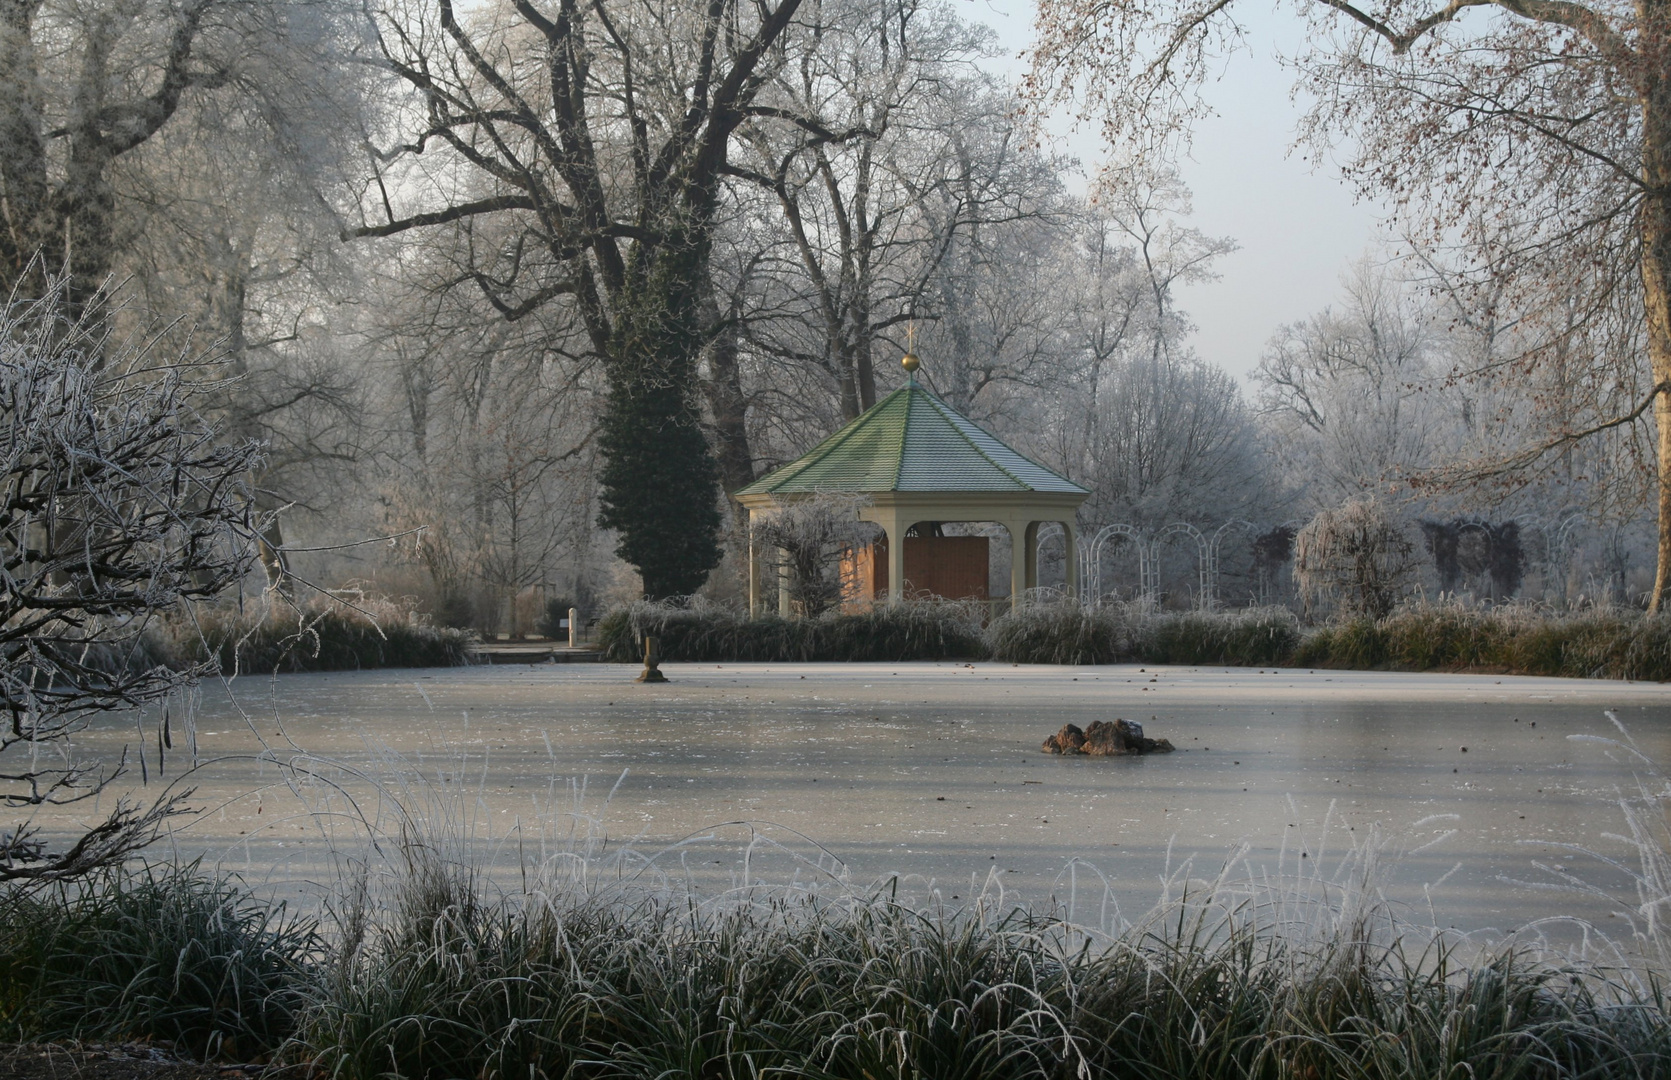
659	481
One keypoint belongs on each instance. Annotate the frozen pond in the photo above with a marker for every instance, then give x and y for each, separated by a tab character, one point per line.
934	771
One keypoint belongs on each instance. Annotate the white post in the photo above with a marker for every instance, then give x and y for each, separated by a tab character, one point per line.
753	572
1031	559
896	561
574	627
1018	561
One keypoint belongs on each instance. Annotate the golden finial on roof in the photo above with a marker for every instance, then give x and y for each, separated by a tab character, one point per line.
910	361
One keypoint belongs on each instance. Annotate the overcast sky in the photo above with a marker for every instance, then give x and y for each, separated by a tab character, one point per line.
1299	228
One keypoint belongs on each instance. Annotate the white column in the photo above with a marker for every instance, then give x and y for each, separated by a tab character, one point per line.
896	558
753	571
784	605
1031	561
1018	560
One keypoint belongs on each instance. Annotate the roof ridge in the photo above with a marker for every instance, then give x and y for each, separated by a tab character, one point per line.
835	440
951	416
904	430
955	416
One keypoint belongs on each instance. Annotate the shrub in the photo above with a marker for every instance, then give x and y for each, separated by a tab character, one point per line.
320	636
1608	643
805	541
166	953
1616	644
1252	637
699	631
1356	556
1063	632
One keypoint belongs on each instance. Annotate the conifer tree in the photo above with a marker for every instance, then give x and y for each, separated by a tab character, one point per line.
660	482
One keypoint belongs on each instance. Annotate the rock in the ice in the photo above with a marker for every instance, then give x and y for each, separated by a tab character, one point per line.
1103	739
1070	740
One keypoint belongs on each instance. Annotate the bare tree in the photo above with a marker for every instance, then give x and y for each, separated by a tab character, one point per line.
224	227
1358	397
491	447
1157	433
119	503
1533	140
913	149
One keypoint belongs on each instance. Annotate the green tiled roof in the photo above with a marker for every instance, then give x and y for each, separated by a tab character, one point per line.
911	441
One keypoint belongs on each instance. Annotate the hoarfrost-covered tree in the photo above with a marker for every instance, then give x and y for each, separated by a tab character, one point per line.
895	208
1531	141
84	86
118	503
1156	432
1357	555
1356	396
805	540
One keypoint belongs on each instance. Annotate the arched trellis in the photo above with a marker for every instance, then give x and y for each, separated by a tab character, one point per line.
1202	559
1090	561
1563	545
1215	546
1207	550
1048	529
1557	530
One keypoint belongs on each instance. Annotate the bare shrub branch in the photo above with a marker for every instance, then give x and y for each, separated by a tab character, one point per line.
118	502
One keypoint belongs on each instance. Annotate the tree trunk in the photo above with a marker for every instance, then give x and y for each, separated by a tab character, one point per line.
1656	258
726	401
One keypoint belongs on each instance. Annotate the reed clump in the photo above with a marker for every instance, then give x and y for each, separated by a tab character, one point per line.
168	953
1062	632
1597	643
1251	637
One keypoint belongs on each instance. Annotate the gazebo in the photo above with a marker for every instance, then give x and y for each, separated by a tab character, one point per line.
916	459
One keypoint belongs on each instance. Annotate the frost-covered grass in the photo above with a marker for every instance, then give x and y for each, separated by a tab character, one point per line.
1224	979
1206	987
157	952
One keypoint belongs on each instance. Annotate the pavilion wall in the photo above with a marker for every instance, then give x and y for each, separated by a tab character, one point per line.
951	567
